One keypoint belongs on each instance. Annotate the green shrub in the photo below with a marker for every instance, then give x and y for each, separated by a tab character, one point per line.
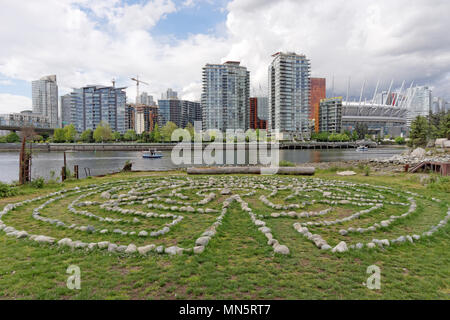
366	171
285	163
7	191
439	183
38	183
12	137
400	140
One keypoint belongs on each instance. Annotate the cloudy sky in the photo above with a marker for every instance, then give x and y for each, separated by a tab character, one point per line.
166	42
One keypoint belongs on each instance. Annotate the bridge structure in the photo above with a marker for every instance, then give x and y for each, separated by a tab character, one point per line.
25	120
20	128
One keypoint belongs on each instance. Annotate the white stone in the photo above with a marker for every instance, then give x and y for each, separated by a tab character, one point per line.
281	249
103	244
105	195
264	230
341	247
145	249
199	249
202	241
44	239
346	173
131	249
173	250
259	223
21	234
112	247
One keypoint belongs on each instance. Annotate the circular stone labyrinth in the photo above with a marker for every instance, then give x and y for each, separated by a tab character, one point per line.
174	214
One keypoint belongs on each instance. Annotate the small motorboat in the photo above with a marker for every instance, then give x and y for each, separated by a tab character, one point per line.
362	148
152	154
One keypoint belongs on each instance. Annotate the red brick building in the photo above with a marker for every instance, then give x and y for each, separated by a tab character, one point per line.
255	122
318	92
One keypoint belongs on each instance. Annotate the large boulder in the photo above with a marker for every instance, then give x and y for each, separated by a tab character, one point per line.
418	153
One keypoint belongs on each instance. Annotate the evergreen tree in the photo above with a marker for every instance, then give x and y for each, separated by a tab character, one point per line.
419	132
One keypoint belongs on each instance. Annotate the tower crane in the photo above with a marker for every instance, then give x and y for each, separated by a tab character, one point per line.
137	87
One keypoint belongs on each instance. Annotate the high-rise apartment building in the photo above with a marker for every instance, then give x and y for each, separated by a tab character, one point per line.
94	104
258	112
45	98
169	94
289	94
318	92
180	112
145	118
330	115
419	104
146	99
226	96
438	105
66	110
130	116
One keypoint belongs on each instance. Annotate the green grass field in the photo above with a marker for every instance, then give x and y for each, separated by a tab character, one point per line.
237	263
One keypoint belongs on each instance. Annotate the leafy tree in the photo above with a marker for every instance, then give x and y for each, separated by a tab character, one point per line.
130	135
354	135
116	136
156	134
167	130
321	136
70	133
419	132
147	136
3	139
59	135
87	136
12	137
338	137
103	132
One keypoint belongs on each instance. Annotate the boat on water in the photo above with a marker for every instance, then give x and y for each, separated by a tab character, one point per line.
152	154
362	148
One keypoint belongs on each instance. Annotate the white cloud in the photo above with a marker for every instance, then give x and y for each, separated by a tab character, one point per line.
403	39
13	103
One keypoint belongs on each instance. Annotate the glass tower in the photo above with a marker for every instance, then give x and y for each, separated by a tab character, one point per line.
289	93
91	105
225	96
45	98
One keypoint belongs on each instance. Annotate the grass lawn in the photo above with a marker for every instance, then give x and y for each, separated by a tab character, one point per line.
237	263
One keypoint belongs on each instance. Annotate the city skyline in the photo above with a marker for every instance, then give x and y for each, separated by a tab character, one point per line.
170	41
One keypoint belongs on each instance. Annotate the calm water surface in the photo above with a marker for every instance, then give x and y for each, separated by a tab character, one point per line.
101	162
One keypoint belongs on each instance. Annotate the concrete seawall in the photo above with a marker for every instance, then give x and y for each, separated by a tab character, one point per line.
169	146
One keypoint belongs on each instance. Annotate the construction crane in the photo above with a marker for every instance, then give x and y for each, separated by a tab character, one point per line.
137	87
